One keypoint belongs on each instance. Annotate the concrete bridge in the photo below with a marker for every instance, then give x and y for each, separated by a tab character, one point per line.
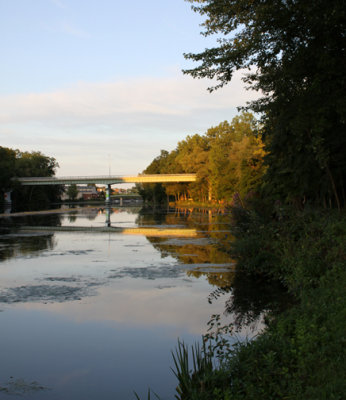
107	180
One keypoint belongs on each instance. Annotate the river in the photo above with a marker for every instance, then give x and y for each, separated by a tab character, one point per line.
93	300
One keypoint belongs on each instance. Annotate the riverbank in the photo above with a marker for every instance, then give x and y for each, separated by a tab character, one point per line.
301	353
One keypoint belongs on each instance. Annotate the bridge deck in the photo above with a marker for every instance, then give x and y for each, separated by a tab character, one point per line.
107	180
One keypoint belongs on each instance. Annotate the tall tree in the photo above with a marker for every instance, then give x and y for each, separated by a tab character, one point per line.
72	192
223	159
294	51
193	156
154	191
14	163
227	159
7	168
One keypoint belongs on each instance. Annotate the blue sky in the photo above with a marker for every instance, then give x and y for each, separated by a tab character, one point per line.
99	83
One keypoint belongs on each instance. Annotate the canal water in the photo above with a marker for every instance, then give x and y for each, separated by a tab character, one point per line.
93	300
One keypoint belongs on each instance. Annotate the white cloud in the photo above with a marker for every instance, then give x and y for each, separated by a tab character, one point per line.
143	99
136	117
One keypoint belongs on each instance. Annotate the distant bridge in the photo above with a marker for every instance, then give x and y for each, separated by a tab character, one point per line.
107	179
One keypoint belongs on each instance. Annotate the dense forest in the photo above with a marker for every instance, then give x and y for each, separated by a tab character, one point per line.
294	55
228	160
285	178
15	163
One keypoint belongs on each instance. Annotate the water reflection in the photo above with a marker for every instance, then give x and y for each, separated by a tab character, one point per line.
252	297
201	249
173	233
15	245
95	314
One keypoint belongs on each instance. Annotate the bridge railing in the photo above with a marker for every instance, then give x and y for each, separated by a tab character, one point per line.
106	179
67	178
45	178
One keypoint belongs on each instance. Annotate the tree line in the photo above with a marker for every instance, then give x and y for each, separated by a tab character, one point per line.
15	163
293	233
228	160
293	53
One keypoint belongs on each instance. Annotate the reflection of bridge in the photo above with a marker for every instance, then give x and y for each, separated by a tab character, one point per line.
180	232
107	180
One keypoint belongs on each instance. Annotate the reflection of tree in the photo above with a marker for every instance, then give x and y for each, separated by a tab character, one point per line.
13	244
151	216
90	213
72	217
200	253
251	298
209	248
220	279
130	210
10	246
48	219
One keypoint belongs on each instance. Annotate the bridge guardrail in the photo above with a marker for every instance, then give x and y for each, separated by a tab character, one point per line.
107	179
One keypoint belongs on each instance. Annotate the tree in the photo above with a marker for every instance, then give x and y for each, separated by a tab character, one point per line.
14	163
34	164
7	167
246	166
227	159
294	51
154	191
72	192
223	158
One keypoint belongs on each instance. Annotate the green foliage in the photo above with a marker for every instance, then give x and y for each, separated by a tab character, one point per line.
228	159
296	249
301	353
72	192
7	167
14	163
198	381
294	52
34	164
154	192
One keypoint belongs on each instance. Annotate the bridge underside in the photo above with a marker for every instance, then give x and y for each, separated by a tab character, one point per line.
108	180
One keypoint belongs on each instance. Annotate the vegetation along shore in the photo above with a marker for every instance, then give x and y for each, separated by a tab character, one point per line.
284	177
280	168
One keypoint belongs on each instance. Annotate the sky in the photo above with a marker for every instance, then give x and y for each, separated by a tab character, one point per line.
98	84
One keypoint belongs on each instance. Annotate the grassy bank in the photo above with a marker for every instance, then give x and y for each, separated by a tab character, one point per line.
301	354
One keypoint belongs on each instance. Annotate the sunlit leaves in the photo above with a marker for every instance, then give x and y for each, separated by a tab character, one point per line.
295	52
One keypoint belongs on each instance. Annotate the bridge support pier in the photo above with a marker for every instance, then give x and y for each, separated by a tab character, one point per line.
108	194
108	216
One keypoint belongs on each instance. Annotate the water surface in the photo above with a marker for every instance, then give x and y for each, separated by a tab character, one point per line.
94	314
